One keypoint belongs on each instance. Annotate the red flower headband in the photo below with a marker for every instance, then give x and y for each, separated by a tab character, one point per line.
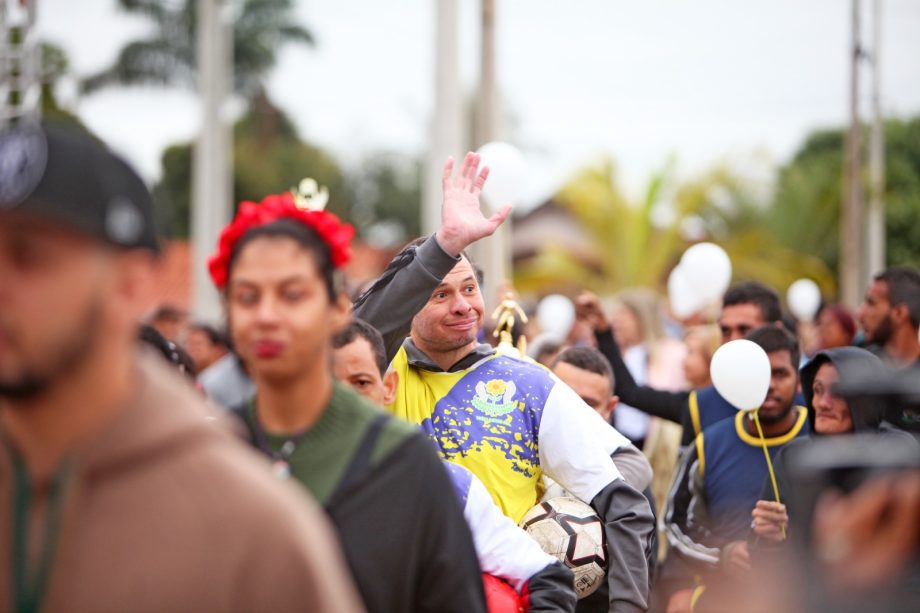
334	233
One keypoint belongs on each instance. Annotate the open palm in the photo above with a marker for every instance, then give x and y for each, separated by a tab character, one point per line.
462	220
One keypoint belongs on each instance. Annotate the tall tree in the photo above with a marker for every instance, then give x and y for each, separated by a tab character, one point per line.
805	211
386	191
167	56
260	169
633	244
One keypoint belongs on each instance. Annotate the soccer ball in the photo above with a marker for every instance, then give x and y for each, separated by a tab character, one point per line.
571	531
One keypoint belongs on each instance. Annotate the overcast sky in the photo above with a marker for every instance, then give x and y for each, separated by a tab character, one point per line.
707	80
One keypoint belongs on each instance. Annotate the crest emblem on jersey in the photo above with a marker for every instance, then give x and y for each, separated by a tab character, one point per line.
495	398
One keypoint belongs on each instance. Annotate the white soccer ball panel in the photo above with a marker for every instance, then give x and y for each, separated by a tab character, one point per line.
571	531
551	537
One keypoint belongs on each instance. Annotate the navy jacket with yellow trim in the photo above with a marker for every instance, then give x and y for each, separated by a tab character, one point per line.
718	483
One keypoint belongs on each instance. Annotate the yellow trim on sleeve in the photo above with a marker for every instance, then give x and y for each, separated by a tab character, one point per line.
699	452
694	404
697	594
770	441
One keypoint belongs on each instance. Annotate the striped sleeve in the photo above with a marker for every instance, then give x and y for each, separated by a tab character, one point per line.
685	515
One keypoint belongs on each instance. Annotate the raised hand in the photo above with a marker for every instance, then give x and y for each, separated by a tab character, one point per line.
462	221
588	309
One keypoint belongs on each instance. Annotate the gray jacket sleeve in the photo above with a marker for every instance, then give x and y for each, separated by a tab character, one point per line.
629	526
634	466
390	306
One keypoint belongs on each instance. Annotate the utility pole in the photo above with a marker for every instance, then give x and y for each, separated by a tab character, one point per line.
211	183
447	116
875	226
487	104
851	251
493	253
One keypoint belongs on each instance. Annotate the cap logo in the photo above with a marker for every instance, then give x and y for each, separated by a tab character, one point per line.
23	158
123	222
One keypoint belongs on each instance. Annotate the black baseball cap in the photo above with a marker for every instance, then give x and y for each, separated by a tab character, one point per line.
63	174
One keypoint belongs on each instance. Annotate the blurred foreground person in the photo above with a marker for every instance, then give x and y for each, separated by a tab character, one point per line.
116	491
890	316
504	550
505	419
379	478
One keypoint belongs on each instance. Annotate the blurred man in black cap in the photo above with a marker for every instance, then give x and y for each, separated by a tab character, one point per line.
115	490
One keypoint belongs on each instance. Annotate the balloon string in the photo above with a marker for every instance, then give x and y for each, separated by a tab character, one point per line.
766	454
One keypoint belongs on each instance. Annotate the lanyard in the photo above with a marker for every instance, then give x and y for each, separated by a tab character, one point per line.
30	588
280	459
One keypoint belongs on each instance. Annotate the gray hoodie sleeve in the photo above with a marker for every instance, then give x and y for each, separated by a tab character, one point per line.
629	526
390	304
634	466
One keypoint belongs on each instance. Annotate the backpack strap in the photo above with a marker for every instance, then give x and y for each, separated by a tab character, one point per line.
360	463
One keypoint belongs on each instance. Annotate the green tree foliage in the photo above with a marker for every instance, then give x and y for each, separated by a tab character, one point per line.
55	66
168	55
805	212
629	248
631	245
902	191
260	168
387	193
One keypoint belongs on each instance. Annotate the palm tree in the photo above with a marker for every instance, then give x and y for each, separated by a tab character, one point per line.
167	56
629	245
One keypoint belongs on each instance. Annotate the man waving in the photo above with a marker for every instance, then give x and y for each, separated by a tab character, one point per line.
505	419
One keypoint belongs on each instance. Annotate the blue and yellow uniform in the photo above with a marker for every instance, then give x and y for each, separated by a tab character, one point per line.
718	484
707	408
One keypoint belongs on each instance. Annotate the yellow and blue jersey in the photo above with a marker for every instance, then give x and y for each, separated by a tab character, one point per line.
508	420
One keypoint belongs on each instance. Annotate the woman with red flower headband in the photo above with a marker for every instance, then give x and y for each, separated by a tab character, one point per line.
380	480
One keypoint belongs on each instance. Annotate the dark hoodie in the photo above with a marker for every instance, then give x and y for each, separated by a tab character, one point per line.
867	414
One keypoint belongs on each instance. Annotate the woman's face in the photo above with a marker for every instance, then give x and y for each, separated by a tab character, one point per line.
832	413
281	316
830	333
696	363
626	327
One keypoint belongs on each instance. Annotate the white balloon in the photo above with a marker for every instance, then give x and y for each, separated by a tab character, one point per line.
506	174
708	270
557	315
682	296
804	298
740	372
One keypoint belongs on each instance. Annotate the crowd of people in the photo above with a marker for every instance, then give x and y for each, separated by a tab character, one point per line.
327	452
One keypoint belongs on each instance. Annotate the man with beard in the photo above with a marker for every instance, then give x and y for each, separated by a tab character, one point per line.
116	491
890	316
708	513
